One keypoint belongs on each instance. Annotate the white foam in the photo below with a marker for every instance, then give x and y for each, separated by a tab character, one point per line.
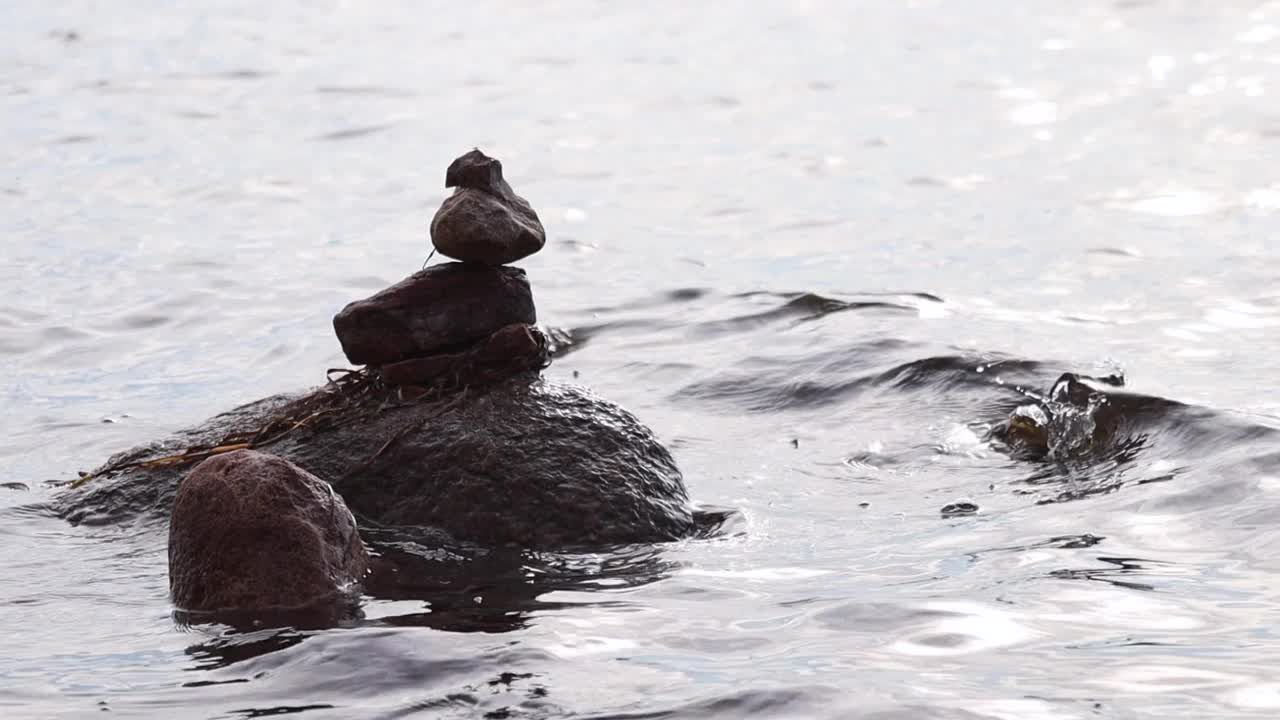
759	574
1041	112
1178	203
1258	34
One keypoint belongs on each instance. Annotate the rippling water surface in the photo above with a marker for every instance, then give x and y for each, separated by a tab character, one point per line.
817	246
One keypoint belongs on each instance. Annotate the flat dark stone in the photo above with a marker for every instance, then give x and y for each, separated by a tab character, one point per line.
512	350
440	309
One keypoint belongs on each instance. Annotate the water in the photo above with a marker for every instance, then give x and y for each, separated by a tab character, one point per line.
751	214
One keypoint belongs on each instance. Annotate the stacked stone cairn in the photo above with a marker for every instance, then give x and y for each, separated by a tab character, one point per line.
451	325
460	323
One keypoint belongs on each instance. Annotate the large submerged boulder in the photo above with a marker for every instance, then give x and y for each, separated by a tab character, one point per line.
253	531
523	462
535	465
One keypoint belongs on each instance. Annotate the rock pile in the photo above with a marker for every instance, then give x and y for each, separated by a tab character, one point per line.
524	463
468	321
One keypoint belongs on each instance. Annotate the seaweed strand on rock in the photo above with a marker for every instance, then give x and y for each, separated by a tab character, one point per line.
331	404
349	399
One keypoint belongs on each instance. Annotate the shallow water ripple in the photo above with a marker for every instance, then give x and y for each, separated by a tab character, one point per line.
823	249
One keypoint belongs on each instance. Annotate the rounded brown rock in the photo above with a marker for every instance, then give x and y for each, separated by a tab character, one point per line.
251	531
480	227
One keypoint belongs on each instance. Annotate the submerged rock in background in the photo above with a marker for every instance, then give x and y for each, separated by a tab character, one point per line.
1076	417
251	531
484	221
439	309
959	508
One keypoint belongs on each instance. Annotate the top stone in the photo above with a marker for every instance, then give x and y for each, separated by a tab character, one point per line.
484	221
478	171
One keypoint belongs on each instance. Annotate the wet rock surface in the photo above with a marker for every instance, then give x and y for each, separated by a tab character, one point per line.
512	350
477	171
959	508
440	309
251	531
535	465
484	221
143	494
523	462
474	226
1078	415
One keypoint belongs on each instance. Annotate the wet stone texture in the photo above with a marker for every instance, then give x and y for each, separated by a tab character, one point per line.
477	227
440	309
509	351
521	462
253	531
484	221
535	465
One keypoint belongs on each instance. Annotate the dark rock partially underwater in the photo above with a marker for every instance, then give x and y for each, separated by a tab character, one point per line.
1079	414
523	462
251	530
